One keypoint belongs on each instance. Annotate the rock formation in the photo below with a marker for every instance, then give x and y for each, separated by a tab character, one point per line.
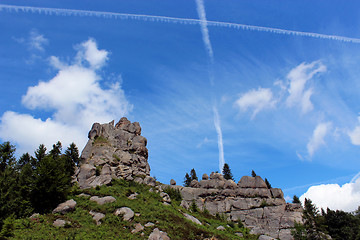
113	152
120	152
259	208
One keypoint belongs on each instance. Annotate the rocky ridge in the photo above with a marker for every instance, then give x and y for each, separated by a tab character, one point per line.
263	210
113	152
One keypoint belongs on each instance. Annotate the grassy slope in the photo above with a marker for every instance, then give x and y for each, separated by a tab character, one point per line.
149	204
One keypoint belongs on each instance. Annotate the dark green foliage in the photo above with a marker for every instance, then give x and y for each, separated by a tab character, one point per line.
227	172
296	199
40	152
72	152
193	175
174	194
187	180
267	183
33	184
342	225
313	227
253	174
193	207
8	228
6	155
51	183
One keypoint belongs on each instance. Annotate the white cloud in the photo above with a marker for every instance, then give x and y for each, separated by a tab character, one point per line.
335	197
257	100
298	77
88	51
317	138
37	41
76	99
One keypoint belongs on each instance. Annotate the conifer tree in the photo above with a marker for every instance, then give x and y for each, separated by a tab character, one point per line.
267	183
296	199
253	174
227	172
187	180
193	175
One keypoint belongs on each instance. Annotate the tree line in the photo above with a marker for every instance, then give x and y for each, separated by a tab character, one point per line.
35	184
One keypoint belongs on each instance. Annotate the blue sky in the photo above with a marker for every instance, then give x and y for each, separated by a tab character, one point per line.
284	104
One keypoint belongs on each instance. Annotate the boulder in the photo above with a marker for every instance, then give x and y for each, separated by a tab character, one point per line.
156	234
60	223
97	216
205	177
149	224
103	200
172	182
138	228
220	228
133	196
191	218
277	193
126	212
150	181
217	176
252	182
194	184
65	207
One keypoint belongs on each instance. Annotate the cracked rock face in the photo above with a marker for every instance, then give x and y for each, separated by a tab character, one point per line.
113	152
262	209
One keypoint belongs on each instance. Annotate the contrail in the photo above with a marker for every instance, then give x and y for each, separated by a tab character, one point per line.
220	139
142	17
204	30
206	39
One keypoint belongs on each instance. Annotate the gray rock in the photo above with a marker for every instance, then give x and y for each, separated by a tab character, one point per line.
221	228
34	215
217	176
158	235
277	193
191	218
84	195
60	223
97	216
194	184
126	212
165	197
149	224
138	228
264	237
205	177
103	200
252	182
239	234
133	196
150	181
65	207
172	182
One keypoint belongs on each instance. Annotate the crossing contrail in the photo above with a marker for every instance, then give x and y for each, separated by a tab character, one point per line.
153	18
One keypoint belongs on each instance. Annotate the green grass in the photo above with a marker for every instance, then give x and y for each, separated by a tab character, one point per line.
149	204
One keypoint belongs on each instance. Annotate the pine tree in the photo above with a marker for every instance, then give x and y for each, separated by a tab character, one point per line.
56	150
187	180
6	155
193	175
296	199
253	174
40	153
73	152
267	183
227	172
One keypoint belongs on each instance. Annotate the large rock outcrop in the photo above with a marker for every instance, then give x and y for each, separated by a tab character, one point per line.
113	152
259	208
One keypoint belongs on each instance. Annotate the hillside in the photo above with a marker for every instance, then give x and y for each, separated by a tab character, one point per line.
148	206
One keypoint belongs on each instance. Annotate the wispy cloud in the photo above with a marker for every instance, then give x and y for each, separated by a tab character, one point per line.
317	138
75	97
37	41
299	94
259	99
355	135
152	18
